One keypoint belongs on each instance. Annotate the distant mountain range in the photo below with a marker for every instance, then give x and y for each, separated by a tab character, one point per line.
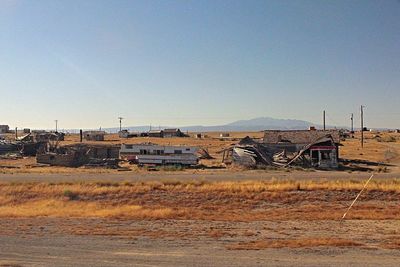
257	124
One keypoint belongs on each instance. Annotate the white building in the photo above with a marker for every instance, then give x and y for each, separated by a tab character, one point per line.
4	128
158	154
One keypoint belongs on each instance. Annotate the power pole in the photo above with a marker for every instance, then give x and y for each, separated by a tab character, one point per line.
120	123
352	123
56	125
324	120
362	125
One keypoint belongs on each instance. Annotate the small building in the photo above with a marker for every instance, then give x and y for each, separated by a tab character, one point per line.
156	133
94	135
127	134
173	133
224	135
158	154
4	129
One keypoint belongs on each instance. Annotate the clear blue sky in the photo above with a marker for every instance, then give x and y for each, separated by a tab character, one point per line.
197	62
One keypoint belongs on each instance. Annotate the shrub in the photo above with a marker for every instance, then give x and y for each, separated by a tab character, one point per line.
70	195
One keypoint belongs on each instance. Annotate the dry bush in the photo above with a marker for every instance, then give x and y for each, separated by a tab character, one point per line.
392	244
294	243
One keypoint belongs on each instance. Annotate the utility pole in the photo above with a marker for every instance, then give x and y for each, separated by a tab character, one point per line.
352	123
362	125
324	120
120	123
56	125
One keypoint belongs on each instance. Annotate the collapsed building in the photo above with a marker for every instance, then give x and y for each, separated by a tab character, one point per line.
30	143
77	155
319	149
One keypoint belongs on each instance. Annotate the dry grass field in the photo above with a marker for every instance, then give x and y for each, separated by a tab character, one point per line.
241	201
229	216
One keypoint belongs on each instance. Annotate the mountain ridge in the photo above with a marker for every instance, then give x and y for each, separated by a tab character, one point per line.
255	124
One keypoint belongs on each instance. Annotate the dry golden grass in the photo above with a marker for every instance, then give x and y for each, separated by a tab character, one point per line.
236	201
59	208
294	243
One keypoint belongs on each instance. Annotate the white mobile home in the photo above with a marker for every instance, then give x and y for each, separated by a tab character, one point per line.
158	154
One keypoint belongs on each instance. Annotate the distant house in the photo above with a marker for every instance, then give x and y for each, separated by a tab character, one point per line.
94	135
127	134
4	129
173	133
156	133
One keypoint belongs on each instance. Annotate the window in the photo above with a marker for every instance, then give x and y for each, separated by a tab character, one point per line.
177	151
128	146
187	149
314	154
325	155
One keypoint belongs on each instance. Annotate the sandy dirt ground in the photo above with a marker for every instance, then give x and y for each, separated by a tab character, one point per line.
48	242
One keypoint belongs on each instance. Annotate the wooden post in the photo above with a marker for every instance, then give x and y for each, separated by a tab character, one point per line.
362	126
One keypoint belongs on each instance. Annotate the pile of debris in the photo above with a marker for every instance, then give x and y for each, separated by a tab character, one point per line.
26	148
204	154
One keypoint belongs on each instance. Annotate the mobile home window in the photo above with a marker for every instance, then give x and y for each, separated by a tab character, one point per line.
128	146
178	151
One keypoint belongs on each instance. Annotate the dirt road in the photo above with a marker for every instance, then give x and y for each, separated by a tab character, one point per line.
41	247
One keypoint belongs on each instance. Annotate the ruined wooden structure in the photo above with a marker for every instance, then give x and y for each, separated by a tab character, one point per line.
318	149
94	135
